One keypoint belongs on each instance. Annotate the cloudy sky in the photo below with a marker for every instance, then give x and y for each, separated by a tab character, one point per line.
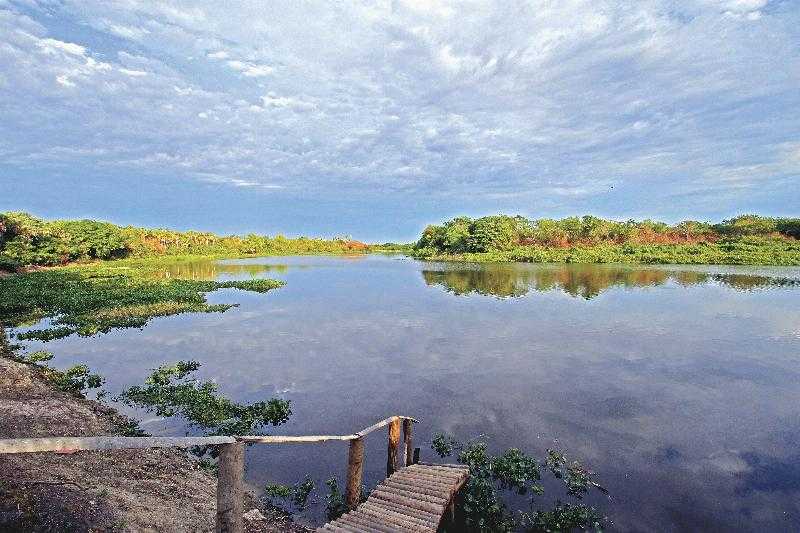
374	118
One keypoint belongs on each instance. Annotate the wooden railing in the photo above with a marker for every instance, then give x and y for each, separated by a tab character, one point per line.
230	482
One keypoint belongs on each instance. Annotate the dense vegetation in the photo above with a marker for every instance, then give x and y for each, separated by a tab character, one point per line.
97	298
514	472
27	240
748	239
75	379
172	391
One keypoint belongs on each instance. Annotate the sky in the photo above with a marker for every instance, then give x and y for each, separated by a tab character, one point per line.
372	119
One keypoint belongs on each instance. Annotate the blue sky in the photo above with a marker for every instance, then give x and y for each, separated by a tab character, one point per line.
374	118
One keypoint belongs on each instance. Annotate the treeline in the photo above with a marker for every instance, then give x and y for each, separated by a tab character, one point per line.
463	235
27	240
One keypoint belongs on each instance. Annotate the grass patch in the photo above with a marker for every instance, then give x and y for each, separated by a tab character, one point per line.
91	299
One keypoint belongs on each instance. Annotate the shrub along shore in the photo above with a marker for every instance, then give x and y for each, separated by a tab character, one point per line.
29	241
743	240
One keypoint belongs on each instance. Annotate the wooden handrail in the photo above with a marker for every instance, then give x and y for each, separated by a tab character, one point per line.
74	444
231	457
61	444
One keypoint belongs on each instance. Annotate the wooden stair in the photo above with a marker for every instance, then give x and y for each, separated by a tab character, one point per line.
415	498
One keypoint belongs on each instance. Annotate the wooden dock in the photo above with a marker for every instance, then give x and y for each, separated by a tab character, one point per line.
414	497
418	498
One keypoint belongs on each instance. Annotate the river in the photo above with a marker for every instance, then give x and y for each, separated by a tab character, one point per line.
679	386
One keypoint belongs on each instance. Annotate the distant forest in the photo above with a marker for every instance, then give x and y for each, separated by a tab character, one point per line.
502	232
26	240
746	239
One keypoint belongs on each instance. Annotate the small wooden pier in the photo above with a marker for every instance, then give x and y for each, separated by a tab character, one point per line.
418	498
415	498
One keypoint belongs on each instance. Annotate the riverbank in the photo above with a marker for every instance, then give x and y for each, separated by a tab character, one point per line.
742	240
754	251
152	490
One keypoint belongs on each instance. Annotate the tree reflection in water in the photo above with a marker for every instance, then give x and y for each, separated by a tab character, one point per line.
584	281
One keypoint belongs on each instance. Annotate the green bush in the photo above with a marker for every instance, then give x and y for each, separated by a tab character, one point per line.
28	240
486	511
171	391
747	239
8	265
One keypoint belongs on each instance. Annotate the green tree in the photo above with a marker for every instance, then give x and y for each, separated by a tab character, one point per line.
493	233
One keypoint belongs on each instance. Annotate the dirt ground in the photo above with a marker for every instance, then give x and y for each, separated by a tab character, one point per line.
139	490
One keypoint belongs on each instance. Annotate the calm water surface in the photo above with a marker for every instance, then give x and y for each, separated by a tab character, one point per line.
679	386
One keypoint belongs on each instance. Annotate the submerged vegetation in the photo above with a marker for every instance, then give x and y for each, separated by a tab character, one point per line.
748	239
26	240
97	298
515	472
76	379
172	391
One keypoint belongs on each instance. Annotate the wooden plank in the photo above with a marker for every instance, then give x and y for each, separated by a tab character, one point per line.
419	478
431	508
421	489
438	476
369	523
61	444
437	470
424	516
230	489
394	443
365	524
393	518
407	477
441	470
387	523
355	472
413	495
343	523
400	513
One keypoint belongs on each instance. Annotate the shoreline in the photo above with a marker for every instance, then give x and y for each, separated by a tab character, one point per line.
126	490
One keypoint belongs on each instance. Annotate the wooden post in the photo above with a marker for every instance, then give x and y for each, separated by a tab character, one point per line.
394	444
415	460
230	489
355	472
408	450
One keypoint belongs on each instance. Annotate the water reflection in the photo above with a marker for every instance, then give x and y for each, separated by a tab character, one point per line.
584	281
210	270
682	394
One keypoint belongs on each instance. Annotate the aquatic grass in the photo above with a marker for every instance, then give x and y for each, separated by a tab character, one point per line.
172	391
485	506
91	299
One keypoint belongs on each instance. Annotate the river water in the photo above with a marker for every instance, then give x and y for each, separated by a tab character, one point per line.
679	386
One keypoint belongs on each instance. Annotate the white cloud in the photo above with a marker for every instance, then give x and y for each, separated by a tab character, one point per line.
133	73
271	100
128	32
50	46
516	98
249	69
63	80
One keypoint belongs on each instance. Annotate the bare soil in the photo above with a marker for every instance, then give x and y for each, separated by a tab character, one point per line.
138	490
